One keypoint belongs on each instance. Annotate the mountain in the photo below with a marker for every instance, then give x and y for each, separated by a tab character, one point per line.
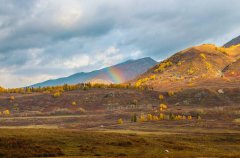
234	41
114	74
232	70
191	66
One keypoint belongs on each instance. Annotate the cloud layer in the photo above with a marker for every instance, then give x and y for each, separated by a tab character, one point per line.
40	40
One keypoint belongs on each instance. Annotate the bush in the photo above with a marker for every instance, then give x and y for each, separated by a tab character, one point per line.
12	98
56	94
161	97
120	121
134	118
6	112
170	93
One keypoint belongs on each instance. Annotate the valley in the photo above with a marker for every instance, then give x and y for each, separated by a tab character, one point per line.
186	106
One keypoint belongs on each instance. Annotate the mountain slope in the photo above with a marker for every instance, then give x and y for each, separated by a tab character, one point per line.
234	41
232	70
190	66
115	74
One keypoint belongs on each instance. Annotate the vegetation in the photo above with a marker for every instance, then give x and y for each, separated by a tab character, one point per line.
120	121
50	143
140	82
66	87
163	65
161	97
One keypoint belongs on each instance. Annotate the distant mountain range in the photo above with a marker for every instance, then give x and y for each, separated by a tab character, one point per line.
114	74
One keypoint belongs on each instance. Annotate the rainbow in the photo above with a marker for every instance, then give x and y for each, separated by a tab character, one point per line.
116	75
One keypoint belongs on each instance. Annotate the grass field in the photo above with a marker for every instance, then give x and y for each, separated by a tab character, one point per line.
55	142
34	129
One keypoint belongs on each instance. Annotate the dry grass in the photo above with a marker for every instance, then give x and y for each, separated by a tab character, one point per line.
46	142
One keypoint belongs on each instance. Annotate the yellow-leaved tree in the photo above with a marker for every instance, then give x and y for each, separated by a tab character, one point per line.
120	121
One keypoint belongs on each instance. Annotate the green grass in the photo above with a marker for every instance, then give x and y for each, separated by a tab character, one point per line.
55	142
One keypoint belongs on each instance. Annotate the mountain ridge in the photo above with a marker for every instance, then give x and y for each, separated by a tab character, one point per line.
232	42
114	74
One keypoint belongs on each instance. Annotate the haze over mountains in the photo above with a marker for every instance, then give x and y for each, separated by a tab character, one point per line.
114	74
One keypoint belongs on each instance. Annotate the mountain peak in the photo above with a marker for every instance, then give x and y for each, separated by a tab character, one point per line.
233	42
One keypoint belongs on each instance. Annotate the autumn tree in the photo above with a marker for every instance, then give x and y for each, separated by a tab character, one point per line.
56	94
149	117
161	97
6	112
120	121
142	118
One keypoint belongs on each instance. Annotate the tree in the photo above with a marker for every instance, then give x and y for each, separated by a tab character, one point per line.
134	118
162	107
170	93
120	121
161	116
6	112
142	118
149	117
172	116
155	118
161	97
56	94
190	117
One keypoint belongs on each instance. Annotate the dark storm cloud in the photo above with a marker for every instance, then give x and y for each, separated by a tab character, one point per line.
45	39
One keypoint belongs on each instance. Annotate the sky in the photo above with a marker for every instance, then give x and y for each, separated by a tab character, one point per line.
46	39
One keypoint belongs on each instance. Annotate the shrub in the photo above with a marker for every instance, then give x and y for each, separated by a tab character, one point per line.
170	93
12	98
6	112
134	118
155	118
162	66
190	117
161	116
56	94
161	97
149	117
120	121
142	118
162	107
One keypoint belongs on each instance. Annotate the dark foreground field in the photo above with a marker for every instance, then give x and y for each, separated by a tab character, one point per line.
61	143
40	125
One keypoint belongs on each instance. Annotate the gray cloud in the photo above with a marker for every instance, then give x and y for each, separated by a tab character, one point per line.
47	39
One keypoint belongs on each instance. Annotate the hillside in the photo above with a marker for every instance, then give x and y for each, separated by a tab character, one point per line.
232	70
115	74
190	67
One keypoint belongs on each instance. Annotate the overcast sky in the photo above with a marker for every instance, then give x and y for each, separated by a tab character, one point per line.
44	39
